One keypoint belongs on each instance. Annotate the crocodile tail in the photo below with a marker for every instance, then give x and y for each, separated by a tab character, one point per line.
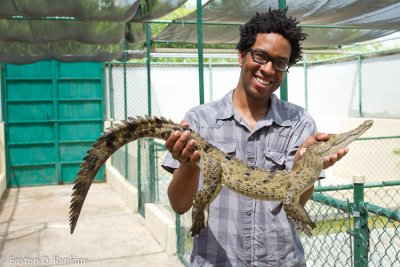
109	142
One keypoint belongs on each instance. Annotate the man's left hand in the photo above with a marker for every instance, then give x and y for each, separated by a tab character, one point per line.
328	161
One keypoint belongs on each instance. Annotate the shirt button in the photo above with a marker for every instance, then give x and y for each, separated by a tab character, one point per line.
248	213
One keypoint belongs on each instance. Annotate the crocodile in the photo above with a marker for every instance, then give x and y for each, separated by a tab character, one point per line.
219	169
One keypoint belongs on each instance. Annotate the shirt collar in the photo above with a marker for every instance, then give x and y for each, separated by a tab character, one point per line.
277	112
226	109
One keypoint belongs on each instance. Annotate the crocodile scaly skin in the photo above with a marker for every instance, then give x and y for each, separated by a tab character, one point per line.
219	169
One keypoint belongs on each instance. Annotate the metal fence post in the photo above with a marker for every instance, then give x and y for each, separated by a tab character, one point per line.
306	84
360	91
284	85
152	171
139	177
179	250
360	215
124	59
199	12
152	174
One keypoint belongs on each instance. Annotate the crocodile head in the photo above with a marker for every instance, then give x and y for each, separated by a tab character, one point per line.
312	159
338	141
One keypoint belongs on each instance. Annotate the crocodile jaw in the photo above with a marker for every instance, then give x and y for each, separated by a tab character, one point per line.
338	141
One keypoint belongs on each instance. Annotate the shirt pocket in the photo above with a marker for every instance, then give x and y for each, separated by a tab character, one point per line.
274	159
226	147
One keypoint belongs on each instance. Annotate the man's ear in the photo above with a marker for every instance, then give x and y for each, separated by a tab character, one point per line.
241	58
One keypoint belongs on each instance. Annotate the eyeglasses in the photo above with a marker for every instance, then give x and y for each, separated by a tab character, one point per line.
262	59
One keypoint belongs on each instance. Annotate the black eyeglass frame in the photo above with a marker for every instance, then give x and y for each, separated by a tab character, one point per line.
268	59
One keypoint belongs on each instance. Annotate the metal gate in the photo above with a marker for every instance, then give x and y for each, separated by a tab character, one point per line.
52	111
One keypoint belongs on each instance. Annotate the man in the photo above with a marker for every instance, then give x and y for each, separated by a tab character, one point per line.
251	123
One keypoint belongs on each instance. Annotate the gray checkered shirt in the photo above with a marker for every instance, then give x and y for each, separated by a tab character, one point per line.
242	231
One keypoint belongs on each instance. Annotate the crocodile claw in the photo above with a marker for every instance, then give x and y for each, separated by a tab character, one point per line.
198	222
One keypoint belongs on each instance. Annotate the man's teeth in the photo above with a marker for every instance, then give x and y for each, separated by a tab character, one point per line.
263	82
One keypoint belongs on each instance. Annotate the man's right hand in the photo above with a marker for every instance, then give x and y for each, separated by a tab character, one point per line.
185	179
180	148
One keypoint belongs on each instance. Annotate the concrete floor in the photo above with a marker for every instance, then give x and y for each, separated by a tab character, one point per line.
34	230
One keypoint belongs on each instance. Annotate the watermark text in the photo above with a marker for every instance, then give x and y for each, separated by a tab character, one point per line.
42	260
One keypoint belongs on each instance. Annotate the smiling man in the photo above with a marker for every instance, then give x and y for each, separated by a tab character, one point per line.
251	123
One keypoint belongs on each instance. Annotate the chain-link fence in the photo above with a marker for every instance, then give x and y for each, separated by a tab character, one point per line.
352	86
354	232
350	230
339	225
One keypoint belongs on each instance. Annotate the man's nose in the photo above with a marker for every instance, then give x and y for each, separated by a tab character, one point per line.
268	67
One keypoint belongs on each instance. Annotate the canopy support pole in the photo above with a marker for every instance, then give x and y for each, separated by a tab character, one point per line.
284	85
200	50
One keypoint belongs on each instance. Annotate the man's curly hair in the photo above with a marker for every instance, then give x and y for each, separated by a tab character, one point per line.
273	21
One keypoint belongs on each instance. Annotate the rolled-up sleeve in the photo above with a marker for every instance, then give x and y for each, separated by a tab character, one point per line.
305	129
300	133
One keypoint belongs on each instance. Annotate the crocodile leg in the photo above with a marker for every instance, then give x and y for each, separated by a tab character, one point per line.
212	186
297	213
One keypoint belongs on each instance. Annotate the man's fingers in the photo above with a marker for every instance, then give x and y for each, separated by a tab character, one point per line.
180	147
180	144
169	143
320	137
341	153
345	151
302	149
327	163
332	159
185	123
195	156
188	150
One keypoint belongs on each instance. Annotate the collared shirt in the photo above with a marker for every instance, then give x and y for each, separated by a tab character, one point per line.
243	231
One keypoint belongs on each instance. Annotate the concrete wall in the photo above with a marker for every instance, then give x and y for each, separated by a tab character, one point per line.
159	225
125	190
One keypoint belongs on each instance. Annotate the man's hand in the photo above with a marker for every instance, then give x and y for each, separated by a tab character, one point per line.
185	179
179	147
328	161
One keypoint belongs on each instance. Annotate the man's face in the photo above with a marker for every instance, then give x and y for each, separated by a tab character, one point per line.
260	81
